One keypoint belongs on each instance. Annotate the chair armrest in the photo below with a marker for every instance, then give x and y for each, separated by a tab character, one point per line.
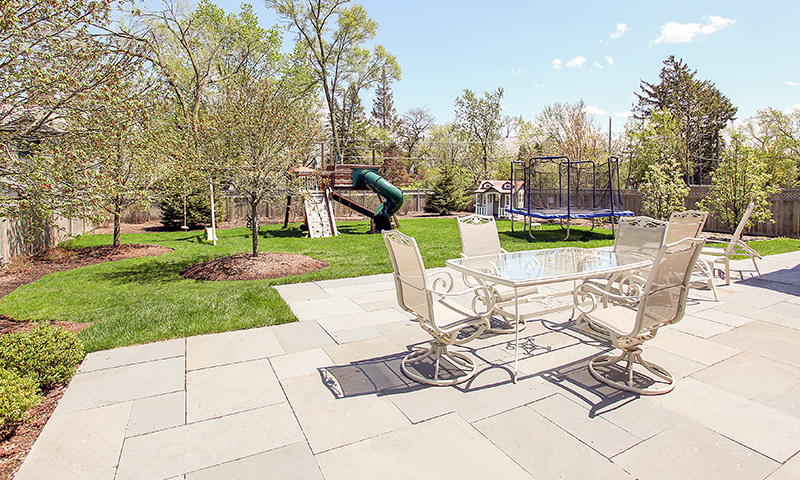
483	299
747	248
628	291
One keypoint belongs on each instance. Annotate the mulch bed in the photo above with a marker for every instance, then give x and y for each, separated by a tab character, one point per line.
246	267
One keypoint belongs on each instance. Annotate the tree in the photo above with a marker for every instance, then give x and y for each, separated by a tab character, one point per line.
447	194
413	126
260	126
384	114
663	190
741	178
50	59
776	138
655	141
570	130
332	35
117	139
194	52
480	121
701	110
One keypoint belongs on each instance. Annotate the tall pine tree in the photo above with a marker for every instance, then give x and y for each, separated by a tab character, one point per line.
383	112
701	110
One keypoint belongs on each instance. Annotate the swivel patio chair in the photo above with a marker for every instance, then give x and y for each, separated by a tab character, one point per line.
735	247
689	224
479	237
628	326
637	236
449	323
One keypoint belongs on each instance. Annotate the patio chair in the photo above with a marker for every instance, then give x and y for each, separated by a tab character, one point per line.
639	236
735	247
479	237
662	303
689	224
642	236
448	323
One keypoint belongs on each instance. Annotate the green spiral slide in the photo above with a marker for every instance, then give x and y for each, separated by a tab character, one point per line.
393	196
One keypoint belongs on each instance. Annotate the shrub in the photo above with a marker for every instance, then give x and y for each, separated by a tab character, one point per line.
17	394
198	210
46	354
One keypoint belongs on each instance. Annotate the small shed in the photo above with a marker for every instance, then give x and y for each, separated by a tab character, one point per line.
492	197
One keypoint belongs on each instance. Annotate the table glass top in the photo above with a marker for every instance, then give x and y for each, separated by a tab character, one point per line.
539	264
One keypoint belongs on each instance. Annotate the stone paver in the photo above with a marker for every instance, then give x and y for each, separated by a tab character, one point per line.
445	447
688	450
230	347
325	398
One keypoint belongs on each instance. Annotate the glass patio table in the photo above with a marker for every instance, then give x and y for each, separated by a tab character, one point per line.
519	270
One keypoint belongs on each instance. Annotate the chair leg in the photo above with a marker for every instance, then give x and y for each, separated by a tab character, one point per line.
462	367
664	382
708	271
756	266
727	263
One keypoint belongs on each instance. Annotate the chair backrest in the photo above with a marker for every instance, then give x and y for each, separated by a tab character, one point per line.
686	224
740	229
411	282
667	285
640	235
478	236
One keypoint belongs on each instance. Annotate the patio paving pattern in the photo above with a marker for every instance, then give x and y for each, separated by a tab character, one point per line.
324	398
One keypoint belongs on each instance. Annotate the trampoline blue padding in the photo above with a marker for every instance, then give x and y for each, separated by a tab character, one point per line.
563	213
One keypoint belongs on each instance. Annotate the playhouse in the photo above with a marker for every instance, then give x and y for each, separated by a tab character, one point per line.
493	197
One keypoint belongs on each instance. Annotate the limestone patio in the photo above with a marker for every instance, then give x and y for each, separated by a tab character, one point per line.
324	398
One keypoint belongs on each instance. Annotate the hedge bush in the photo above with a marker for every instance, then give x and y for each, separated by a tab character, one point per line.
17	394
46	354
198	210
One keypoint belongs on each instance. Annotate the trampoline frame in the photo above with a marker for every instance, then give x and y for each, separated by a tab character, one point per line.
570	212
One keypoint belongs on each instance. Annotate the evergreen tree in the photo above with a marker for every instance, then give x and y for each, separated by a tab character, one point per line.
383	113
448	192
702	111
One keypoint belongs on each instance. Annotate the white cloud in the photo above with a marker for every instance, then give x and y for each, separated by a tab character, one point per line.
516	71
610	60
556	63
538	85
626	114
621	29
593	110
597	65
576	62
791	83
674	32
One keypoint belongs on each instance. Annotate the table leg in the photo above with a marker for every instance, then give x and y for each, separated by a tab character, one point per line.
516	332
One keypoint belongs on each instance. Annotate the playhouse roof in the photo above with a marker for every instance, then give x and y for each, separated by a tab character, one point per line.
498	186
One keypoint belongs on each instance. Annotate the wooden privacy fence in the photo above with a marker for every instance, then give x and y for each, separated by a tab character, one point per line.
14	233
17	238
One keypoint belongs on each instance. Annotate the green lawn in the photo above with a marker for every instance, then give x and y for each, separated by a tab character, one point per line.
145	300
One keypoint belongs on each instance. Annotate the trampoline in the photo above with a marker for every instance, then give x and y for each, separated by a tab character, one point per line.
570	200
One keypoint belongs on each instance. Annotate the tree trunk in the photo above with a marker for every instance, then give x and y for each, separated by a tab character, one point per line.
288	208
117	221
253	210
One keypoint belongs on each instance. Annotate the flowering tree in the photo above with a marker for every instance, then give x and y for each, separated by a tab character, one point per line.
50	59
740	179
116	136
258	128
663	190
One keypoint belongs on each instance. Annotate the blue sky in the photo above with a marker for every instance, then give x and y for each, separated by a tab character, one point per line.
542	52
